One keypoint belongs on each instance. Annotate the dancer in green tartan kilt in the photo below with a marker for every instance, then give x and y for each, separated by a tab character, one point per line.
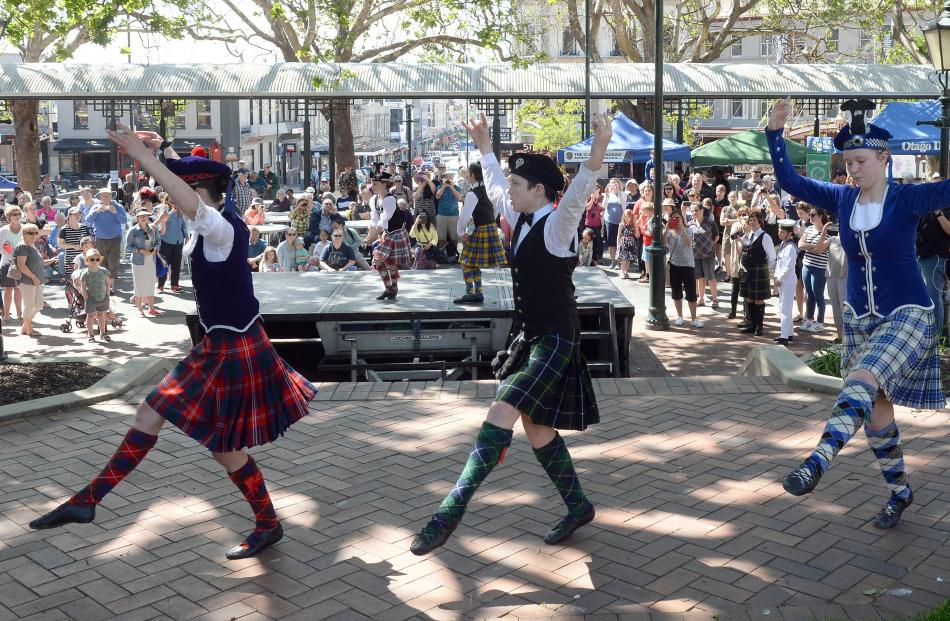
545	381
483	248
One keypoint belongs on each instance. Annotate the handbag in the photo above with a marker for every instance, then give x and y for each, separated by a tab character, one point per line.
161	265
14	272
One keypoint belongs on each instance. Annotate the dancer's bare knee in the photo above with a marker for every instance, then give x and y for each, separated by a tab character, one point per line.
502	414
148	420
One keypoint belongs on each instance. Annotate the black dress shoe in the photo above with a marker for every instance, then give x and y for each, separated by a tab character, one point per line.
65	514
469	298
433	536
255	542
748	329
802	480
781	341
568	525
758	330
731	315
890	515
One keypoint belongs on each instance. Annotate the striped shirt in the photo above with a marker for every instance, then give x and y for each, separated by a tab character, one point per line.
70	235
816	260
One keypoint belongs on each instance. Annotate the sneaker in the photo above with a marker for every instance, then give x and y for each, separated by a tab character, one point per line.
802	480
678	321
154	312
696	323
805	325
890	515
816	327
161	290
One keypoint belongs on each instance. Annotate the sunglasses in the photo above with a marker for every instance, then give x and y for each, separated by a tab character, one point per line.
31	233
93	259
812	215
291	235
337	236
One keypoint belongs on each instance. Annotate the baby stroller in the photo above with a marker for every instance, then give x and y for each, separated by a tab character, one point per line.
77	310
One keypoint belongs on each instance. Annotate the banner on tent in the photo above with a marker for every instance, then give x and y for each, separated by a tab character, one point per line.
583	156
818	166
822	144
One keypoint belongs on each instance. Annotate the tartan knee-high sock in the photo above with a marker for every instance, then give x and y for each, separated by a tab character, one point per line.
477	280
469	275
250	481
133	449
851	411
556	461
490	447
886	444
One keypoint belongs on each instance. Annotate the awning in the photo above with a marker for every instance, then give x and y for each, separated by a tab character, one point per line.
748	147
629	143
82	144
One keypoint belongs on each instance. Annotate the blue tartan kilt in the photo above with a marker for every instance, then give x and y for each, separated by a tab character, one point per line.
484	248
553	387
232	391
900	350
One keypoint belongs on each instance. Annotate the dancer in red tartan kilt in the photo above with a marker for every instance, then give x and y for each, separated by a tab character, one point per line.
232	391
389	225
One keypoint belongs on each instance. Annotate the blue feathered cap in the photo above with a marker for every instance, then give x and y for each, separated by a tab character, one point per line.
193	169
857	135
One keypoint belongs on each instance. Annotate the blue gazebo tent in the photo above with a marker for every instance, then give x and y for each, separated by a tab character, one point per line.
630	144
6	184
907	138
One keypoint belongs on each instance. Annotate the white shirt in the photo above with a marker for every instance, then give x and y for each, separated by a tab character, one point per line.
468	208
560	229
785	263
766	244
380	217
866	216
217	232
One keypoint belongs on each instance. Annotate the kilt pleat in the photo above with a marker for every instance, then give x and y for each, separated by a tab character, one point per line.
484	248
755	283
900	350
232	391
553	387
394	249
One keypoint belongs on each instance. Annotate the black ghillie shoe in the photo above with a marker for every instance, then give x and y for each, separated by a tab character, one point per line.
65	514
433	535
781	341
802	480
255	543
469	298
568	525
890	515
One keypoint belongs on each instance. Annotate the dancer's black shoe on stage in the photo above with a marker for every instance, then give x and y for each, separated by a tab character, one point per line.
255	543
890	515
432	536
470	298
568	525
803	479
65	514
387	295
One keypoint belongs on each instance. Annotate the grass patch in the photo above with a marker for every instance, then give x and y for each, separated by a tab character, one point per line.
826	361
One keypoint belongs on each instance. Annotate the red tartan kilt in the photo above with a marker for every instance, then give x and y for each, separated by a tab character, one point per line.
232	391
394	250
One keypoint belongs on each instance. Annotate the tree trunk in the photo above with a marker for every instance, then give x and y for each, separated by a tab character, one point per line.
638	112
26	145
344	152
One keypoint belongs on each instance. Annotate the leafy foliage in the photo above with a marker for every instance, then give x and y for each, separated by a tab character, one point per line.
554	126
826	362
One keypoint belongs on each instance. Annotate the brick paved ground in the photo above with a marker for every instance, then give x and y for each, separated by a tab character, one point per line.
692	521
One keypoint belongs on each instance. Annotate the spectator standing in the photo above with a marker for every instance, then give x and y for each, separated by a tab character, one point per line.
751	185
59	222
814	269
32	268
48	188
704	235
86	202
347	182
11	235
94	284
679	240
594	220
423	198
301	217
784	279
46	209
242	193
270	182
129	190
837	278
727	217
627	243
643	224
613	216
70	238
735	271
107	220
142	242
446	224
462	182
172	231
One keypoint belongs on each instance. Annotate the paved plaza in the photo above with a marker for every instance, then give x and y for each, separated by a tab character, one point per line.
685	472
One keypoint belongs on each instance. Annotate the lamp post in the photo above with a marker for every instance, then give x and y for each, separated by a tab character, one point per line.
937	34
656	253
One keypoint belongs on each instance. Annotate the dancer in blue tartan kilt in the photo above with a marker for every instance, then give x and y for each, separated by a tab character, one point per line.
232	391
545	382
890	344
483	248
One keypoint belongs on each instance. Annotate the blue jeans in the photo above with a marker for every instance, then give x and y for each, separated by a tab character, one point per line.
932	269
814	281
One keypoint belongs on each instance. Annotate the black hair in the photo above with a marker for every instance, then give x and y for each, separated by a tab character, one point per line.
216	188
475	169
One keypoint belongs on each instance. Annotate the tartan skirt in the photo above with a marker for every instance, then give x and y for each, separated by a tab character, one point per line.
394	250
900	350
553	386
484	248
755	283
232	391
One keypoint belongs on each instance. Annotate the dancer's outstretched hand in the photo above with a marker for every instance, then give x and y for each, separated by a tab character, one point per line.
478	130
781	111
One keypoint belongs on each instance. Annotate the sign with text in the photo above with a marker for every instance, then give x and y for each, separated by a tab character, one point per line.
583	156
818	166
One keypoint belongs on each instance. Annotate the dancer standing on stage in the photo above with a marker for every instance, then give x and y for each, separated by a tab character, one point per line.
483	248
389	225
545	382
890	345
232	391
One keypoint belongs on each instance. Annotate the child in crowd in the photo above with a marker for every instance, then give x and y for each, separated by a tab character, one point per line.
94	283
300	254
646	215
323	243
585	253
627	242
270	263
79	261
784	279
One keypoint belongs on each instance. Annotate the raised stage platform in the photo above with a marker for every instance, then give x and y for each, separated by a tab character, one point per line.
338	315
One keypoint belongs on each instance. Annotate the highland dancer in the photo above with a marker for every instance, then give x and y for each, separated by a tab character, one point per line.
389	225
544	380
232	391
890	344
483	248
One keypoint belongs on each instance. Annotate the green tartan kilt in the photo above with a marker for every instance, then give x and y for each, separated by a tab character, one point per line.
553	387
755	283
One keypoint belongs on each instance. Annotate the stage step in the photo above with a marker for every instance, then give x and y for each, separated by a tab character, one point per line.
595	334
602	356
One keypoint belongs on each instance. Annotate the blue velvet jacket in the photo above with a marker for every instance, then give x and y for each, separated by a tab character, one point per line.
883	273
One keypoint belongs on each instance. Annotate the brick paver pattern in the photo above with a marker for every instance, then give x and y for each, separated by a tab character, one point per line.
692	521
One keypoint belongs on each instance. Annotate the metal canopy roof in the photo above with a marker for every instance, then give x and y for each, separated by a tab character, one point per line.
414	81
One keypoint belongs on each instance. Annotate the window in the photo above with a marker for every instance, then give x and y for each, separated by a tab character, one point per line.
736	48
767	46
80	115
144	119
569	45
738	108
180	117
204	113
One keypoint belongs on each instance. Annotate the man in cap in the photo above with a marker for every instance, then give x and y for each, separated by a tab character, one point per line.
544	380
751	184
107	221
232	391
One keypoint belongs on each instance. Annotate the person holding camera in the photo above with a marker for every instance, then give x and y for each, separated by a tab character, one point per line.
424	195
679	239
448	197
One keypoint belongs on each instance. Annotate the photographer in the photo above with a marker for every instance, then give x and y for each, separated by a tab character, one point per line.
679	239
448	213
424	196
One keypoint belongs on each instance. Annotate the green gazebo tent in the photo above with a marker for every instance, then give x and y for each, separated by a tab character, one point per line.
748	147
